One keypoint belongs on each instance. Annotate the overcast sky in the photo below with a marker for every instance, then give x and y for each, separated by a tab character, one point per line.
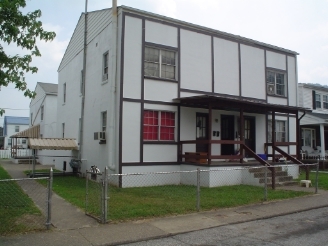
298	25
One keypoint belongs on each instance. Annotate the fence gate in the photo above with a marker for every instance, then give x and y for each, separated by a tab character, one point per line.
96	194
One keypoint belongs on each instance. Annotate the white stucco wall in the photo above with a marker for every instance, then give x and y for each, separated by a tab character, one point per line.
252	72
292	81
196	72
275	60
132	58
226	67
156	90
131	132
158	33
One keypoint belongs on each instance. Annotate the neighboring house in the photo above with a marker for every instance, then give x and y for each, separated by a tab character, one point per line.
11	126
153	89
1	138
43	112
314	125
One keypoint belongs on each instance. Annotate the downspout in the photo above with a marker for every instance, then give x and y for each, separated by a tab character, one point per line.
113	92
83	79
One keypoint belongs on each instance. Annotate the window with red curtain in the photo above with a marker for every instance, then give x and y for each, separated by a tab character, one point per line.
158	125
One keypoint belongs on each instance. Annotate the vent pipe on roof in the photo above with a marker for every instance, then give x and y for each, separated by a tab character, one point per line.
83	79
114	92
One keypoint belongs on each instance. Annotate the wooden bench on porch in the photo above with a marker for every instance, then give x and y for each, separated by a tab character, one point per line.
196	157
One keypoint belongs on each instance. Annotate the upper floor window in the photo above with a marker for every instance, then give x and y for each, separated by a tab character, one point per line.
317	100
325	101
105	67
160	63
81	83
64	93
103	121
16	128
276	83
158	125
63	130
42	112
280	131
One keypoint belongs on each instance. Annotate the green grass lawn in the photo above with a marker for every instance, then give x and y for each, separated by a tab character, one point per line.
322	179
156	201
17	210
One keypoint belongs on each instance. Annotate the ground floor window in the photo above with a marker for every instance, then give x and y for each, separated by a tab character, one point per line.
308	137
159	125
280	131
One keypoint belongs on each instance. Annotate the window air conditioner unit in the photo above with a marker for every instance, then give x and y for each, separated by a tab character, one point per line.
100	136
271	89
105	76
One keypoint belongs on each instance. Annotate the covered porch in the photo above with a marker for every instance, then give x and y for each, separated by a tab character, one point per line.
273	151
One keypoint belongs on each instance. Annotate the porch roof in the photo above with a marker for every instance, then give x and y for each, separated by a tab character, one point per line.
32	132
235	103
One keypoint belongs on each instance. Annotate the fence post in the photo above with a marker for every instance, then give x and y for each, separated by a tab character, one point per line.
48	223
316	178
86	191
105	189
265	183
198	190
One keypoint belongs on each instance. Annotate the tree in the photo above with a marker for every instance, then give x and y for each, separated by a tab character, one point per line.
22	30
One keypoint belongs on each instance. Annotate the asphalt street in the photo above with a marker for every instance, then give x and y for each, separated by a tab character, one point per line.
304	228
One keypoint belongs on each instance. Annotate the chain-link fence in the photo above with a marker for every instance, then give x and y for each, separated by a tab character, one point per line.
142	195
25	205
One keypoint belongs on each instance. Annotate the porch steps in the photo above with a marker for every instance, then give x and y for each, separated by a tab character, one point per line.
282	177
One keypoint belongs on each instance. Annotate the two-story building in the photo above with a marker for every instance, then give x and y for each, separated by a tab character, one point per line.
43	112
314	125
157	92
11	126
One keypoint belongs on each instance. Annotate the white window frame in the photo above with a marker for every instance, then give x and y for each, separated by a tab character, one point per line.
325	101
281	131
9	141
105	66
312	134
318	103
81	83
16	128
160	63
64	93
23	141
63	130
275	81
42	112
103	121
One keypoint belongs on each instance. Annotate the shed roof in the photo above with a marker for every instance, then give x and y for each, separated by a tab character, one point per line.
53	143
32	132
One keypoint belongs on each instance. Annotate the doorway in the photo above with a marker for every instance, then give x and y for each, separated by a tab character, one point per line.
227	133
201	131
249	136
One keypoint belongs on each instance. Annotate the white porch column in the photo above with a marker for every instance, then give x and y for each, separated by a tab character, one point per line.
322	141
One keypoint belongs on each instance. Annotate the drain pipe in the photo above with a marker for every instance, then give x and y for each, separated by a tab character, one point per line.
113	93
83	79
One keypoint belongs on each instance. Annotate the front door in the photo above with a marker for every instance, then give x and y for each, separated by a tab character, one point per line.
201	131
249	127
227	133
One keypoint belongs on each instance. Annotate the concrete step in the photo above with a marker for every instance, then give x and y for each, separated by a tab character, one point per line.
278	179
262	174
262	169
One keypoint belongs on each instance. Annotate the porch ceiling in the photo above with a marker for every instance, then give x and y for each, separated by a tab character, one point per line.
236	103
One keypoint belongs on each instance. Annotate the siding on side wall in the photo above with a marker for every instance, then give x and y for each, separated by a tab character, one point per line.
97	21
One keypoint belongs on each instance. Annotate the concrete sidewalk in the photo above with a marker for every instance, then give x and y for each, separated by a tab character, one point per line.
85	231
